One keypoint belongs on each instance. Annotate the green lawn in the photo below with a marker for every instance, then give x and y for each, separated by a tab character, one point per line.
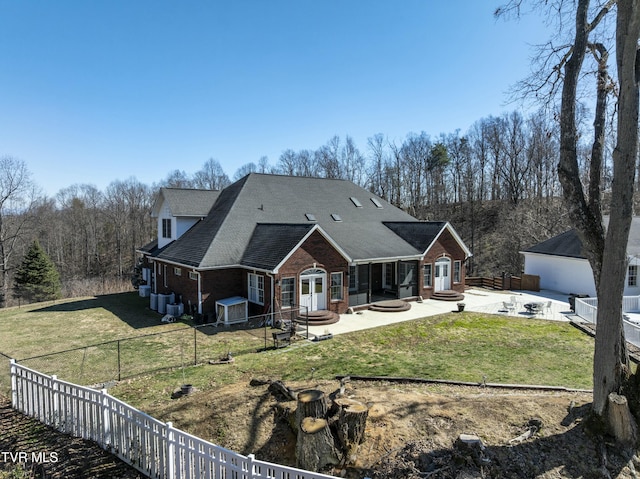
456	346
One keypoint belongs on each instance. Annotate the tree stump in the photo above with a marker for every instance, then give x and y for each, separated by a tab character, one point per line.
311	403
315	448
351	424
623	425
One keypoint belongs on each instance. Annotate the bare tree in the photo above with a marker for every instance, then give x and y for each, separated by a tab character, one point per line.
17	197
211	176
244	170
606	253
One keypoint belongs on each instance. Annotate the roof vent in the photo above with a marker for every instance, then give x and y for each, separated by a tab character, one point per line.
355	201
336	217
310	216
376	202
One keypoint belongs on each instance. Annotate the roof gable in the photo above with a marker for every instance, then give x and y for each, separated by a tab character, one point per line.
423	234
271	243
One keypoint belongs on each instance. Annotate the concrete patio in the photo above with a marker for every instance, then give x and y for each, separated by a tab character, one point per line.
477	300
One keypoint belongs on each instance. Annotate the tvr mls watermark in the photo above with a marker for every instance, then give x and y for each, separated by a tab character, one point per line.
41	457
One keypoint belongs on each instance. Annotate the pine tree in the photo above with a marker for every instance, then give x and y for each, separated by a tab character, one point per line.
37	278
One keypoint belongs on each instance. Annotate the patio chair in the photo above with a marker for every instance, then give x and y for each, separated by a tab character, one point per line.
509	306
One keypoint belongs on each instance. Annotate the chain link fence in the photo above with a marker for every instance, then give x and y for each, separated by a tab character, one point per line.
106	362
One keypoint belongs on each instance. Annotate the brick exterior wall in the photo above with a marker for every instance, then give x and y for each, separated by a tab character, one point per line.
316	252
445	247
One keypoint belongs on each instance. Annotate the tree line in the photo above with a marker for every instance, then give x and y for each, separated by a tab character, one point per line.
497	184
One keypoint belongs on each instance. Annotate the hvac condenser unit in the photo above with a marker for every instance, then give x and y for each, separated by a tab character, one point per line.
232	310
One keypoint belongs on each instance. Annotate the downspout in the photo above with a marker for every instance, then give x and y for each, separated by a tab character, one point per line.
272	295
155	278
199	293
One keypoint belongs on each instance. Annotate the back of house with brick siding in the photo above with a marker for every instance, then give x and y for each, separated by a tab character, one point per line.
283	241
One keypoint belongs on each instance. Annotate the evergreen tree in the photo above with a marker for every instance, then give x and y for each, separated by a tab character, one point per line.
37	278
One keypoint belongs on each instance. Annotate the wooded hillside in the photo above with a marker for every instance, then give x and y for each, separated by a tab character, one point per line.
497	184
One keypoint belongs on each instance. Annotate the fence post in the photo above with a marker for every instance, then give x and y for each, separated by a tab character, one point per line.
250	467
170	452
106	419
195	346
55	394
14	383
119	370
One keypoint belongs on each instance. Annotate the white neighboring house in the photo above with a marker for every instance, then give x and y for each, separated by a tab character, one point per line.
562	265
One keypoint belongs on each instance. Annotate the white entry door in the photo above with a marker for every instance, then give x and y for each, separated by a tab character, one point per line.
442	274
313	290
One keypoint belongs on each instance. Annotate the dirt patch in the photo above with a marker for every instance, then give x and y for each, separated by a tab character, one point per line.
412	430
411	433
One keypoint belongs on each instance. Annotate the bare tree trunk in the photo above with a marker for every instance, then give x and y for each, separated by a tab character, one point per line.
610	360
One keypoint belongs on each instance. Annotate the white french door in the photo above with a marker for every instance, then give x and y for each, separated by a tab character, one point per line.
313	293
442	274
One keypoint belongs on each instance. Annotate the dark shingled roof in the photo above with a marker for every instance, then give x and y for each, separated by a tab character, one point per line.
230	233
565	244
270	244
186	202
418	234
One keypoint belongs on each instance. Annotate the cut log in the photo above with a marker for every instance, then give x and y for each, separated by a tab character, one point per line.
623	425
278	388
351	424
315	447
311	403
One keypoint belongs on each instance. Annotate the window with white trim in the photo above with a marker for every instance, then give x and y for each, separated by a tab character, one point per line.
632	275
353	278
336	286
256	288
287	292
428	275
166	227
457	271
193	275
177	271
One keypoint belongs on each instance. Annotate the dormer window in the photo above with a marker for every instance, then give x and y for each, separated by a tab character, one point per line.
356	201
166	227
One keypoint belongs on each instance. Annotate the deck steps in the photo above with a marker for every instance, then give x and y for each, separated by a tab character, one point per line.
447	295
318	318
390	306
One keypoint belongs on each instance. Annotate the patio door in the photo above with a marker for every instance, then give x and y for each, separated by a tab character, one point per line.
442	274
313	289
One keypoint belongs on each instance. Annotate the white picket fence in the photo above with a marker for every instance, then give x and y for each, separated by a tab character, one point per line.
154	448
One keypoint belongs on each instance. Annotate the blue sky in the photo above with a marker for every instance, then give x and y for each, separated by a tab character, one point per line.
93	92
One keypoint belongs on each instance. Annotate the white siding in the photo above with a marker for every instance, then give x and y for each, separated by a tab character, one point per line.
559	273
183	224
568	275
179	225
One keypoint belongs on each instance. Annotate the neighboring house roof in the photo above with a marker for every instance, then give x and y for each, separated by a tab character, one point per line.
278	211
568	244
185	202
